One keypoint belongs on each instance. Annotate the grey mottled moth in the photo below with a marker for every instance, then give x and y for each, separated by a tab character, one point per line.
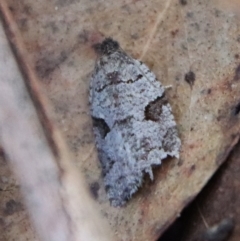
132	121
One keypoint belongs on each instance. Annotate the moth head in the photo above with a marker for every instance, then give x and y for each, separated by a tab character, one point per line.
107	47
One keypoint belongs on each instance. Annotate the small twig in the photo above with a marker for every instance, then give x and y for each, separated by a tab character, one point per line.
204	220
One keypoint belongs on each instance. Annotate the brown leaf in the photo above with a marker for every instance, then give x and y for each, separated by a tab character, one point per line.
54	191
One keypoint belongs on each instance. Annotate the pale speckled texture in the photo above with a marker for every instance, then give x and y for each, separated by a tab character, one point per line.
134	127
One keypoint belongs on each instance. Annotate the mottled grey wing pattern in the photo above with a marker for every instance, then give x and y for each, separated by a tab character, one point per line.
133	122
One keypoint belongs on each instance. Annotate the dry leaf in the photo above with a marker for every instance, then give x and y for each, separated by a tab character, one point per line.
59	204
219	200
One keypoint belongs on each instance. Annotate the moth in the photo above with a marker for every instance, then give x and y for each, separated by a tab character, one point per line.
133	123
